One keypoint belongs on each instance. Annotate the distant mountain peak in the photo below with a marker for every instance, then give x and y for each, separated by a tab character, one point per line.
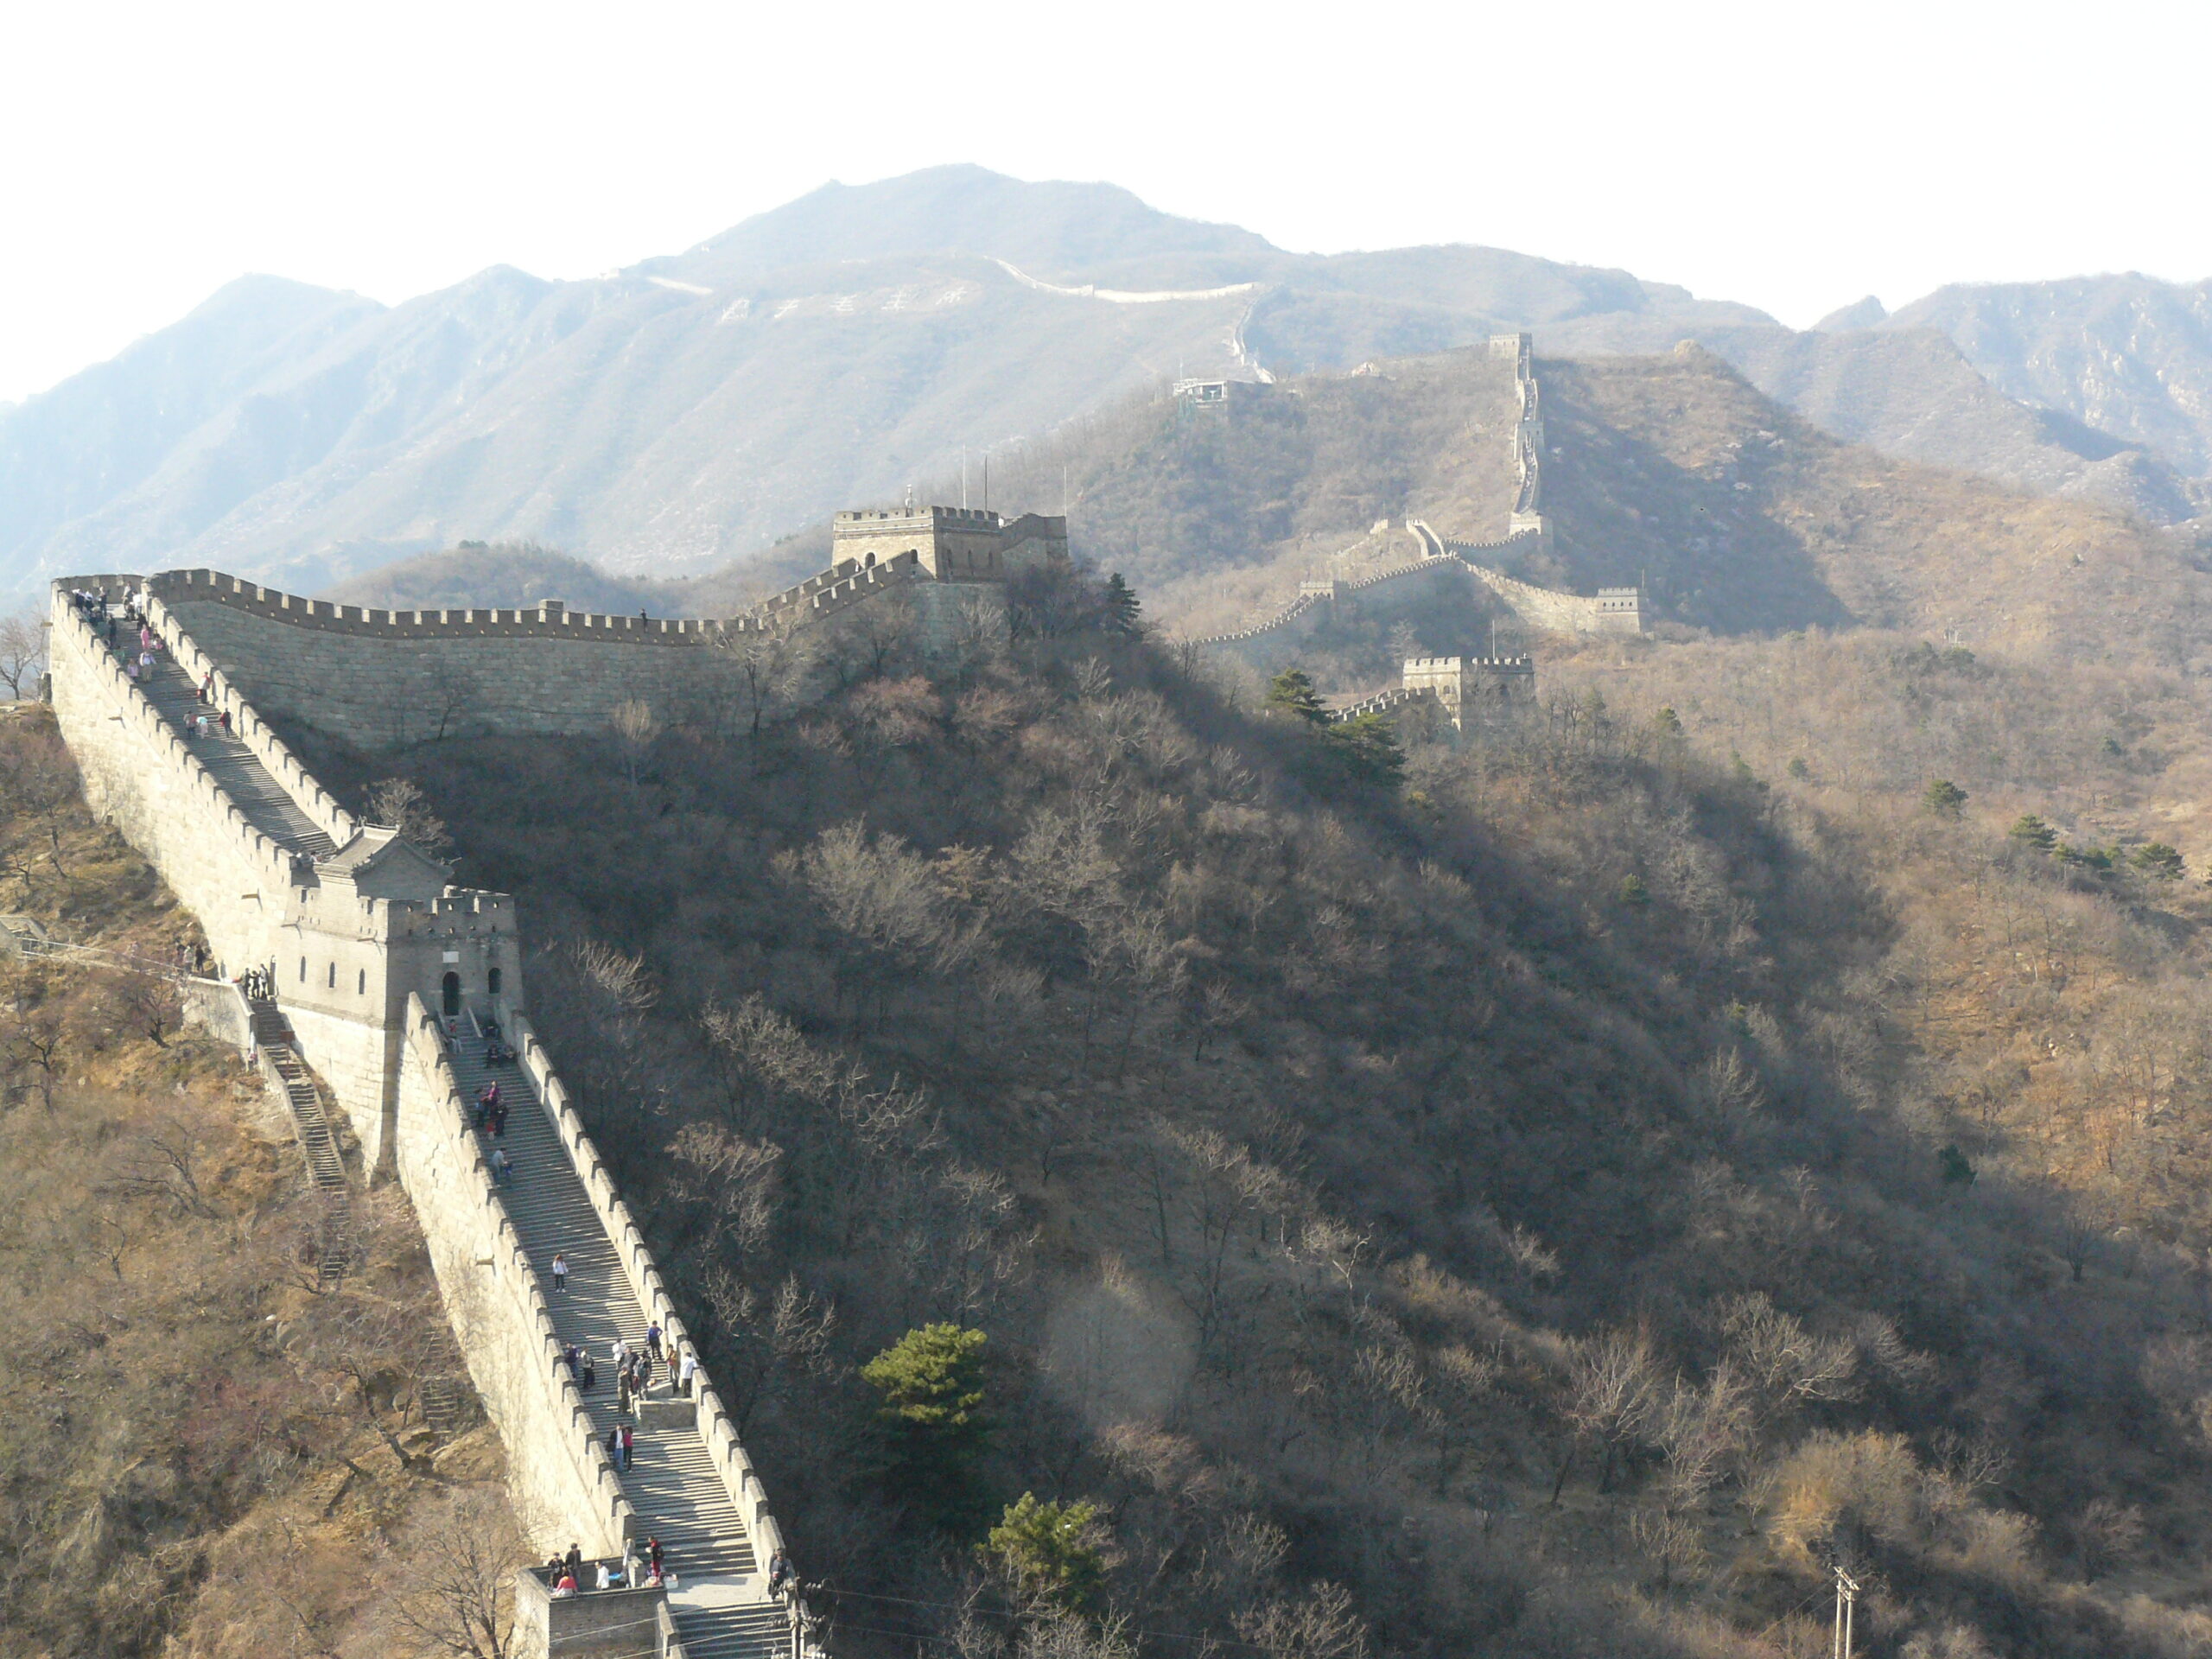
1057	228
1868	313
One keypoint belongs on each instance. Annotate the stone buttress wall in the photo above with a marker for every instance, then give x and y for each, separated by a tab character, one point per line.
140	775
563	1488
381	686
731	1464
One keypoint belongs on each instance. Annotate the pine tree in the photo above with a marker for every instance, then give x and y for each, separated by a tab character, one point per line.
1370	749
1291	692
2158	861
931	1384
1124	613
1944	798
1051	1552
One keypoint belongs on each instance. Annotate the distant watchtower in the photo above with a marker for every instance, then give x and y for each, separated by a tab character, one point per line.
1620	610
951	543
1472	687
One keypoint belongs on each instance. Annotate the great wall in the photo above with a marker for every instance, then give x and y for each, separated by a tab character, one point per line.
384	998
1450	568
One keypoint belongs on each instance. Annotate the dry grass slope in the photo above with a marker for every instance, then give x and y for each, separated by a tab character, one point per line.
207	1451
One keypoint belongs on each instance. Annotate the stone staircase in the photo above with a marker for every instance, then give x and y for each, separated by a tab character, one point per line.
319	1140
268	806
719	1608
444	1407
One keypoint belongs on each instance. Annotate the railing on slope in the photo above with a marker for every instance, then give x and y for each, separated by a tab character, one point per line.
290	1081
1281	619
1381	702
739	1478
595	1475
320	806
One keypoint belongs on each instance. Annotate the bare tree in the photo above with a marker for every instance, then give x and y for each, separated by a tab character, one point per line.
400	803
34	1047
1781	1364
2106	1533
374	1354
451	691
731	1179
163	1163
760	1360
1322	1624
461	1594
635	725
150	1004
1614	1388
22	652
770	665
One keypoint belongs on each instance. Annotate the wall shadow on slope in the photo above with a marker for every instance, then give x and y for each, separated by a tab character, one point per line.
1622	509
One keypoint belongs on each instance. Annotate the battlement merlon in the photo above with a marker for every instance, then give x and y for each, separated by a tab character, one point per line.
949	544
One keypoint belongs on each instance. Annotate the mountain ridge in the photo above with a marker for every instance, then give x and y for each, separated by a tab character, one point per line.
862	337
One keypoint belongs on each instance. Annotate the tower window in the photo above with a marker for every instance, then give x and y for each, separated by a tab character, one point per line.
303	970
333	975
361	988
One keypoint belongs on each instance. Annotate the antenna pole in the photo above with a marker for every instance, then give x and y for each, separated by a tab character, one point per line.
986	480
963	477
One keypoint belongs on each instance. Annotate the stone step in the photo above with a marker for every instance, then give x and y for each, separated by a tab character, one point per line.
671	1482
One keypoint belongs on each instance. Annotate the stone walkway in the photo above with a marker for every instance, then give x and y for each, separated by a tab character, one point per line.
721	1607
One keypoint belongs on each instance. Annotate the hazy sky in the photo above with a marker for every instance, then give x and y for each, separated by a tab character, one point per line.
1795	158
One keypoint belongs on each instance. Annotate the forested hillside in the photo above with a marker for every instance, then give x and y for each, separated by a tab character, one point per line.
1153	1177
214	1447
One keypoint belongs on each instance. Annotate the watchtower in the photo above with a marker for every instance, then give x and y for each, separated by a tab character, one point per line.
951	543
1473	687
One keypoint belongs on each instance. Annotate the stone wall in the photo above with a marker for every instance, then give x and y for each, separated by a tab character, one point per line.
380	686
563	1486
139	775
352	973
320	806
732	1465
384	679
1615	610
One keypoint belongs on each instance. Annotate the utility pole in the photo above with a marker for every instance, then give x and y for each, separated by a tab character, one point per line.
963	477
1846	1601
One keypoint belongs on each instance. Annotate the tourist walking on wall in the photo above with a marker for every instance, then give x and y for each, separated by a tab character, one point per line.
779	1572
629	1445
560	1271
652	1341
589	1380
503	1171
690	1370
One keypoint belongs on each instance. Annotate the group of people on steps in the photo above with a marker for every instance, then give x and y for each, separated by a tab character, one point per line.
131	636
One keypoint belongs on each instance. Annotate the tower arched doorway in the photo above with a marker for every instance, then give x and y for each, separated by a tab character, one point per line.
450	999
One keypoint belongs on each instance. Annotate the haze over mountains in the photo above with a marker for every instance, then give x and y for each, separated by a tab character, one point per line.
688	411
